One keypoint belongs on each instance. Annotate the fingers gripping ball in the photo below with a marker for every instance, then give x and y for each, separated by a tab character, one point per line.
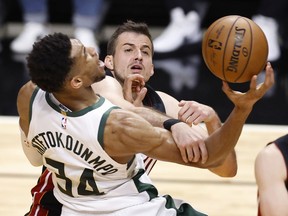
234	49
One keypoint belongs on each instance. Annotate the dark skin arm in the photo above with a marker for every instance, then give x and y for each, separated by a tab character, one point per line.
133	134
23	100
228	134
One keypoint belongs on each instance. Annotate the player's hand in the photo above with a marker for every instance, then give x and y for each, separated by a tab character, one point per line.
134	90
190	142
246	100
193	112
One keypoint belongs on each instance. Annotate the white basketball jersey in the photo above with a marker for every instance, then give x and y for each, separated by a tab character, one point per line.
87	181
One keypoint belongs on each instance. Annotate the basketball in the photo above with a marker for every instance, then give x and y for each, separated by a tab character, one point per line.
234	48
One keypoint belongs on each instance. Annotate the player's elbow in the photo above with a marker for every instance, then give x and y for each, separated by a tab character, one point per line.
225	168
229	173
34	159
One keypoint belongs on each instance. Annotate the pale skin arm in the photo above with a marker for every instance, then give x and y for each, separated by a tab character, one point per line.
195	113
196	150
270	173
114	93
190	112
192	150
112	90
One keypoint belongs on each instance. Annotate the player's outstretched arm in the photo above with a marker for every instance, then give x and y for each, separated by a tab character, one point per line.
135	134
227	135
230	131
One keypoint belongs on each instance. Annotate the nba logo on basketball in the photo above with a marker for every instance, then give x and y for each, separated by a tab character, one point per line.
215	44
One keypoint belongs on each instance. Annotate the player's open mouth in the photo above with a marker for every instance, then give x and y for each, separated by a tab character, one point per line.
136	68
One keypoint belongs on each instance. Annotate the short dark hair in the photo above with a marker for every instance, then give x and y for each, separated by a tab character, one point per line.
128	26
49	62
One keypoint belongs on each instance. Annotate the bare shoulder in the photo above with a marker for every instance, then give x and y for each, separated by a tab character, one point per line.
25	94
269	153
270	160
23	104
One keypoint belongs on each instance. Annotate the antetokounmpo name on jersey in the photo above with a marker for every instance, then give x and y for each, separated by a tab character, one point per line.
46	140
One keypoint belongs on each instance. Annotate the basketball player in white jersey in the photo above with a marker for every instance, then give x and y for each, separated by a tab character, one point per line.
137	66
91	147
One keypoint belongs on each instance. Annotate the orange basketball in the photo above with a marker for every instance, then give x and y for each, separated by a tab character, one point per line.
234	49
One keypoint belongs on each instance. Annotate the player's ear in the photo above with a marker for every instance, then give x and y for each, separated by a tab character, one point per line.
109	62
76	82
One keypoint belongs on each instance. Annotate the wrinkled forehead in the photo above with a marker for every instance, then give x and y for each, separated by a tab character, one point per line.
76	47
134	38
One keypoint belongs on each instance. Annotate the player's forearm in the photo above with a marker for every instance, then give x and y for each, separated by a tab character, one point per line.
229	166
222	142
136	135
153	116
213	124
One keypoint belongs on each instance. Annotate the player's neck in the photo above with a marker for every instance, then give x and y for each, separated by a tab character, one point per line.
72	102
59	104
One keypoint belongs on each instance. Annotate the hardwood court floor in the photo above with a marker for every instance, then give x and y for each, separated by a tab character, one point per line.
206	192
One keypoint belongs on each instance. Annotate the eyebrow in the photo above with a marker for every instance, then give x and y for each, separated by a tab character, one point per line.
145	46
